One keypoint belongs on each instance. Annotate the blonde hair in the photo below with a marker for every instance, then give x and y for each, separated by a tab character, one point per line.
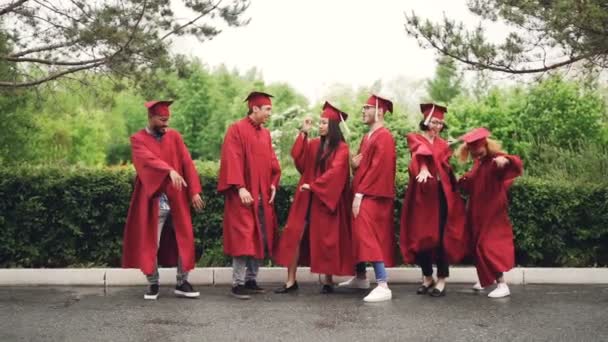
492	146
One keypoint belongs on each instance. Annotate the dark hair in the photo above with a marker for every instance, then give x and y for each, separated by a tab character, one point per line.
424	127
334	137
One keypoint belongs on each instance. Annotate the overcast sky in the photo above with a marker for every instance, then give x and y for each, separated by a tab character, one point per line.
312	44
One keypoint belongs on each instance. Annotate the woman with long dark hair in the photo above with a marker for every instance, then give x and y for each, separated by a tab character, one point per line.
432	218
318	231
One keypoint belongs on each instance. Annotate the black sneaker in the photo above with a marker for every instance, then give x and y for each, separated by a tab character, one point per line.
327	289
240	292
152	292
253	287
186	290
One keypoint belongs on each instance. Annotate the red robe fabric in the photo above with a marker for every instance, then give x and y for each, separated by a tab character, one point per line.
327	247
373	228
249	161
153	160
487	215
420	211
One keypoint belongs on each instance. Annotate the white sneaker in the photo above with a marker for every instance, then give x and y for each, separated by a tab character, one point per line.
477	287
501	290
355	283
379	294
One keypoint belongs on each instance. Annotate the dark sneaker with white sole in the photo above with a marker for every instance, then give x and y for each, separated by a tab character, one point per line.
186	290
241	292
152	293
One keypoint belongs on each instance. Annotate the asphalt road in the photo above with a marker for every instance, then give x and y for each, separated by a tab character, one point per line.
532	313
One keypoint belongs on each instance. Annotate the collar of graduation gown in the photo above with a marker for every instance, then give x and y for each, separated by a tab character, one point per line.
153	133
253	123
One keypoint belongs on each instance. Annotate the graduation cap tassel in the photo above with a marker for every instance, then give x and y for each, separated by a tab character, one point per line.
344	124
428	118
376	113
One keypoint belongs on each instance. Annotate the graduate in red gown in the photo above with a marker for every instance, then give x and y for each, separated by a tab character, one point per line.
318	230
432	218
374	189
159	222
248	178
487	215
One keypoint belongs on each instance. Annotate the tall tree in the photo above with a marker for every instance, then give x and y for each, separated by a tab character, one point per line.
198	115
446	84
547	35
50	39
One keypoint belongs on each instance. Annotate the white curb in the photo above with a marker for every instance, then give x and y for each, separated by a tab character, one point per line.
52	276
566	276
223	276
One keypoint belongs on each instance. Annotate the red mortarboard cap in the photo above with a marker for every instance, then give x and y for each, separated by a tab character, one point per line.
381	102
160	108
436	111
475	137
332	113
258	99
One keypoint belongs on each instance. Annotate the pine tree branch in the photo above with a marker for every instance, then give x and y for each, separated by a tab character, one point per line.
12	7
51	62
50	77
41	49
191	21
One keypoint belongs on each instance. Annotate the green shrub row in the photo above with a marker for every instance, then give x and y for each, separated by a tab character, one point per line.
56	217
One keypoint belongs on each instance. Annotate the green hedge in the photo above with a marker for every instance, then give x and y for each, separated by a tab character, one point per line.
54	217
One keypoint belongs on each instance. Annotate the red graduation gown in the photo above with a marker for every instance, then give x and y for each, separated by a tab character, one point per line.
249	161
373	228
487	215
153	160
328	246
420	211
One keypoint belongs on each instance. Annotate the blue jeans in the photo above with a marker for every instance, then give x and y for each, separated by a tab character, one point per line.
379	270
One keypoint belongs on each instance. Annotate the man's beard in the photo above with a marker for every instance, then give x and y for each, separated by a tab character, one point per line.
160	130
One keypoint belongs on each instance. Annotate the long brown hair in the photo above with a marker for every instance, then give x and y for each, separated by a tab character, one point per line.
334	137
492	146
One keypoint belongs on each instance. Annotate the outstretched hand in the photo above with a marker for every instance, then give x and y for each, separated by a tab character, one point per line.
501	161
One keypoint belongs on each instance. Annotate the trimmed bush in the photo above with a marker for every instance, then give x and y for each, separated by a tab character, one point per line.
57	217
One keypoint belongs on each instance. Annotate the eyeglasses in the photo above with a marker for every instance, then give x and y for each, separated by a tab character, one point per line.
437	123
366	107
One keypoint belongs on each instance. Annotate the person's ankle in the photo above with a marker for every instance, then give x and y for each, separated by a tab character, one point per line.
383	284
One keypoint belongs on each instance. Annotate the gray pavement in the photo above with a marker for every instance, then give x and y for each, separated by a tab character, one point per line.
532	313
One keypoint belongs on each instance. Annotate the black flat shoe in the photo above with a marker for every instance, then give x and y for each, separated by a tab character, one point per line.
326	289
423	289
285	289
437	293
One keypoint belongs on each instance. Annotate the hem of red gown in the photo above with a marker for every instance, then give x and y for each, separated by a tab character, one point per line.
408	258
491	280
